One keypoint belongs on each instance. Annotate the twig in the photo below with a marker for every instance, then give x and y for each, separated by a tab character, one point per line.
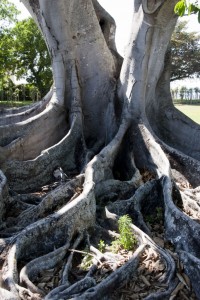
69	261
86	253
179	287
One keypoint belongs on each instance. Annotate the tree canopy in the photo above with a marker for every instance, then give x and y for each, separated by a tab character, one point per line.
185	53
8	14
23	53
30	57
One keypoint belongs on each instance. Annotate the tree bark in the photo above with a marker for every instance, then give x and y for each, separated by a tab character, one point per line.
120	146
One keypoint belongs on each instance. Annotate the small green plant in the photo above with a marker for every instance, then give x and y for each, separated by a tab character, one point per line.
126	239
150	219
101	246
156	216
86	262
115	246
159	213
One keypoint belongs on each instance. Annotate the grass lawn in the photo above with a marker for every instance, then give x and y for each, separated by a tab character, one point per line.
14	103
192	111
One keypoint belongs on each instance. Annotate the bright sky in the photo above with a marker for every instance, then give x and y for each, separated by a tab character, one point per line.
121	10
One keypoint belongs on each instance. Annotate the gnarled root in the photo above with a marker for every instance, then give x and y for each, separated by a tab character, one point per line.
16	115
4	196
55	199
48	233
57	221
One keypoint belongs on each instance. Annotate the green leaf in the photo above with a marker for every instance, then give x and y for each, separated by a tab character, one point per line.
180	8
192	9
187	7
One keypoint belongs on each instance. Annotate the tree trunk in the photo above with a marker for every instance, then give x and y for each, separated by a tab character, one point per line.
110	132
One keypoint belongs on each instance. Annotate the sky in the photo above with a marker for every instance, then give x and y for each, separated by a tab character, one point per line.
121	11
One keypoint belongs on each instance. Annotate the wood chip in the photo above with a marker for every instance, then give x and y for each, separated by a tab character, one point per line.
41	285
179	287
145	280
163	285
173	254
137	288
141	269
158	275
181	278
46	278
158	266
135	297
50	285
187	280
143	295
159	241
183	295
47	272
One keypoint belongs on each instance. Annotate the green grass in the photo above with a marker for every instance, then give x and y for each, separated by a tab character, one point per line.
14	103
192	111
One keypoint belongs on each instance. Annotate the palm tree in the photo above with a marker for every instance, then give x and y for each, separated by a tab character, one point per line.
197	91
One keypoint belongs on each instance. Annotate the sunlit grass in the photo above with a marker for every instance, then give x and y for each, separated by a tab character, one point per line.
14	103
192	111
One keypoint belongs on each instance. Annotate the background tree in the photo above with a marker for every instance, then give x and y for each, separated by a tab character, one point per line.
8	14
185	52
184	93
24	54
114	131
197	92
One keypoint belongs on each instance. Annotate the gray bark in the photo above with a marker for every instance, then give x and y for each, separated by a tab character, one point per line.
115	133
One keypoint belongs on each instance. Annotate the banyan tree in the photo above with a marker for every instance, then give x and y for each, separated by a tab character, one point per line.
109	126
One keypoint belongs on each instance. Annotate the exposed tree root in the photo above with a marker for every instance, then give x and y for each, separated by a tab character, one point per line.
40	170
110	171
56	220
30	272
16	138
3	195
52	201
52	230
13	116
